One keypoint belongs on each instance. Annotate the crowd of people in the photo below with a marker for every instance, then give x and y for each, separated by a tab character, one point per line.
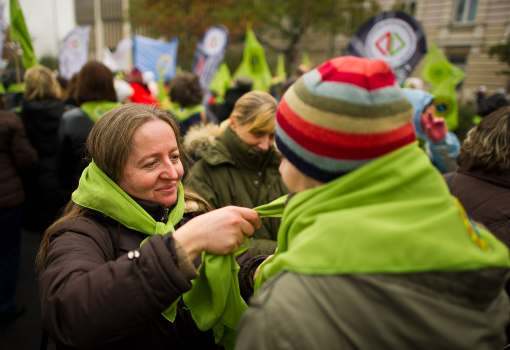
340	215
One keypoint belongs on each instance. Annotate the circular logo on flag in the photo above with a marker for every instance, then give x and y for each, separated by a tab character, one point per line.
255	60
392	40
74	43
214	41
444	105
166	63
98	111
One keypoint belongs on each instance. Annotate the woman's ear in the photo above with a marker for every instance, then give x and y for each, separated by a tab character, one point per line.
232	123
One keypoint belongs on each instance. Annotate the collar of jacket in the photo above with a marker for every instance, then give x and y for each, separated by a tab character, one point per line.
228	148
156	210
502	179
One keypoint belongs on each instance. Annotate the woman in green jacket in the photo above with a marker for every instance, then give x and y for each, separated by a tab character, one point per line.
240	167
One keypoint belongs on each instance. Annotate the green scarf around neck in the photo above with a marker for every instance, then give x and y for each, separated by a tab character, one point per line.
393	215
96	109
98	192
184	113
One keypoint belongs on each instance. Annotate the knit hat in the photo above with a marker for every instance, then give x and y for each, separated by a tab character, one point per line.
342	115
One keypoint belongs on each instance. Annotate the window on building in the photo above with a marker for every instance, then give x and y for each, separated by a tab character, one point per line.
465	10
406	6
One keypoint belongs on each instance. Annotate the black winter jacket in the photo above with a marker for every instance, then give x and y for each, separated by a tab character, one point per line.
44	193
75	126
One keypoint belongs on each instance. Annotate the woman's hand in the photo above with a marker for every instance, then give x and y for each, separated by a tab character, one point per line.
219	232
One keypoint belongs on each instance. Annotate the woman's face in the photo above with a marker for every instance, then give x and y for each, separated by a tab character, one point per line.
260	142
153	170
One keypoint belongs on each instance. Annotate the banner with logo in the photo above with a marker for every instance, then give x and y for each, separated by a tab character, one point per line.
209	53
443	77
149	54
254	64
116	61
395	37
74	51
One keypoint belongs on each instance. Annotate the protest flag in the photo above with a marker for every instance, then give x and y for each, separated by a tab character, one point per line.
254	64
395	37
163	98
149	54
305	60
74	52
280	68
221	82
19	33
443	77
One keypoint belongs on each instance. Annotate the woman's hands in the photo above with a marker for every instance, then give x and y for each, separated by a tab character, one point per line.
219	232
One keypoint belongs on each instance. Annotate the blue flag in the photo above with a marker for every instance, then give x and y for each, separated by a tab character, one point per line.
150	54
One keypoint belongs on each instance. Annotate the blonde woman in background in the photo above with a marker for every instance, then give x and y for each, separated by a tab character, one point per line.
240	167
41	110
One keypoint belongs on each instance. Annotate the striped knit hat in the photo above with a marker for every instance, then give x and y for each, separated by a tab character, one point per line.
342	115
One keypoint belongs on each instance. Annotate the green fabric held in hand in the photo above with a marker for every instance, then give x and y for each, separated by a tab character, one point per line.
273	209
393	215
96	109
215	299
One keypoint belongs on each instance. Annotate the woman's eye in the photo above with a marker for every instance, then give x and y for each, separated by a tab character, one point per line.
151	164
174	157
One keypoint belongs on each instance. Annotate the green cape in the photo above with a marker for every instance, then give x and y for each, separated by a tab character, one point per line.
96	109
393	215
184	113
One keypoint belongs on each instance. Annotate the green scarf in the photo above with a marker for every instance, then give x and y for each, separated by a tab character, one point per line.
393	215
211	305
184	113
96	109
215	300
98	192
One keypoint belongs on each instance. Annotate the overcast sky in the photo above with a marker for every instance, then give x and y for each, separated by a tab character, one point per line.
44	22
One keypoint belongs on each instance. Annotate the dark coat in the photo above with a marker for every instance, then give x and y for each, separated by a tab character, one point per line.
16	153
44	193
74	129
231	173
94	297
224	110
485	196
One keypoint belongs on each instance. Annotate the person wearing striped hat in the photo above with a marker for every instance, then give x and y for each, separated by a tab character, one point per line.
373	251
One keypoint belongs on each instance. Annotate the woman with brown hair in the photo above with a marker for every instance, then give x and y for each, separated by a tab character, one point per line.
482	180
41	110
95	94
240	167
186	96
128	244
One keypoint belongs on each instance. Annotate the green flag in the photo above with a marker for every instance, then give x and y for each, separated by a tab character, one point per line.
254	63
280	68
221	82
20	34
306	59
443	77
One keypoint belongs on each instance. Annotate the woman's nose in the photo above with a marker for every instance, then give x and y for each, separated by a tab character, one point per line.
264	144
169	172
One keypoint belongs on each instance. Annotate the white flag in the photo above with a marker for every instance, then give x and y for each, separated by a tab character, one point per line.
74	51
116	61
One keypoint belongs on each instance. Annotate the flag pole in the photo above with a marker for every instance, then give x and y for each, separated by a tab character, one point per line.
16	65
